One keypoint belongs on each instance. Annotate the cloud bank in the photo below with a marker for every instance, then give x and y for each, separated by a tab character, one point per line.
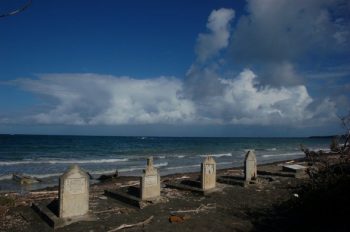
274	34
92	99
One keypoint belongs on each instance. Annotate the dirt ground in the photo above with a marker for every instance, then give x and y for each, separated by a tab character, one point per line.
229	208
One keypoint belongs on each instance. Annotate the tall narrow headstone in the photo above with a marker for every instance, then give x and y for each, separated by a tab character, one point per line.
250	170
73	193
208	171
150	182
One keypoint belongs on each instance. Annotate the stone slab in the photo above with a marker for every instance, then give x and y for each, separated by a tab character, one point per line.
124	197
187	187
54	221
233	181
130	197
283	174
296	168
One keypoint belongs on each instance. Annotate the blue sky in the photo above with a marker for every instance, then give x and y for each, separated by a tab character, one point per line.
175	68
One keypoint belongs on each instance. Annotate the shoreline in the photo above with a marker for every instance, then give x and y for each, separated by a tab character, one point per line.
125	178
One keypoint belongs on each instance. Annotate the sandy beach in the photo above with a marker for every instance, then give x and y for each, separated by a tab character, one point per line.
229	208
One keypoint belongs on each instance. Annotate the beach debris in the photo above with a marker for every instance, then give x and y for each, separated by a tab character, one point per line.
43	192
172	193
201	208
296	195
178	218
109	177
102	198
124	226
290	162
182	177
113	210
24	179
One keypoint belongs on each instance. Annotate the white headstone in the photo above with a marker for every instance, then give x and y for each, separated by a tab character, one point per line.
73	193
208	173
250	169
150	182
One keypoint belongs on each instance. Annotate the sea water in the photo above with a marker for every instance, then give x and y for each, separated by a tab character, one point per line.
47	157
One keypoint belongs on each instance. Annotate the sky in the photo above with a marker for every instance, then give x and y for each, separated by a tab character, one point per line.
265	68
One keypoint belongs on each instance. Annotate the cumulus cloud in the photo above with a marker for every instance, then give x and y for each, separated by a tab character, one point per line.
92	99
206	96
279	32
218	25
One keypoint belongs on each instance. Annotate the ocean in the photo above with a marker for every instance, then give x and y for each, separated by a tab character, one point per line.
47	157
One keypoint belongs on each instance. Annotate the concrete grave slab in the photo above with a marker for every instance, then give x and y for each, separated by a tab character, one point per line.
72	204
148	192
207	184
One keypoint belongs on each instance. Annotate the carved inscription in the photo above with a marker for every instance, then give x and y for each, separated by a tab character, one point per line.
75	185
209	169
151	180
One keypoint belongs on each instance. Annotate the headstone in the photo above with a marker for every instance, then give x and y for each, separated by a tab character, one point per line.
73	193
250	170
208	169
150	182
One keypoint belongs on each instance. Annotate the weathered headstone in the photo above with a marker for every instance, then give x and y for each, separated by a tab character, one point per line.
73	193
208	173
150	182
250	169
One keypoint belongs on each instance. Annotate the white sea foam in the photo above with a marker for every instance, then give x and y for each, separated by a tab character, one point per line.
182	167
40	176
271	149
103	172
161	164
218	155
131	169
135	168
224	163
43	176
283	154
6	177
180	156
94	161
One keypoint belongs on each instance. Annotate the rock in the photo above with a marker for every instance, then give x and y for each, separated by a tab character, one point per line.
108	177
22	179
178	219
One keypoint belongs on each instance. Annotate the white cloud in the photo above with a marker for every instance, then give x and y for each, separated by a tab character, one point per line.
218	24
279	32
205	96
92	99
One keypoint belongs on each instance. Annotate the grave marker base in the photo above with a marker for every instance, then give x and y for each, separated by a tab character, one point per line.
130	196
43	209
189	185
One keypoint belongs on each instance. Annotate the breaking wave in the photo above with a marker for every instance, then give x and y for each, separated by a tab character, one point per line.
94	161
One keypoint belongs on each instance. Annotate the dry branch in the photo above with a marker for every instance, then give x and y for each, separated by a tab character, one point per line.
201	208
123	226
110	210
